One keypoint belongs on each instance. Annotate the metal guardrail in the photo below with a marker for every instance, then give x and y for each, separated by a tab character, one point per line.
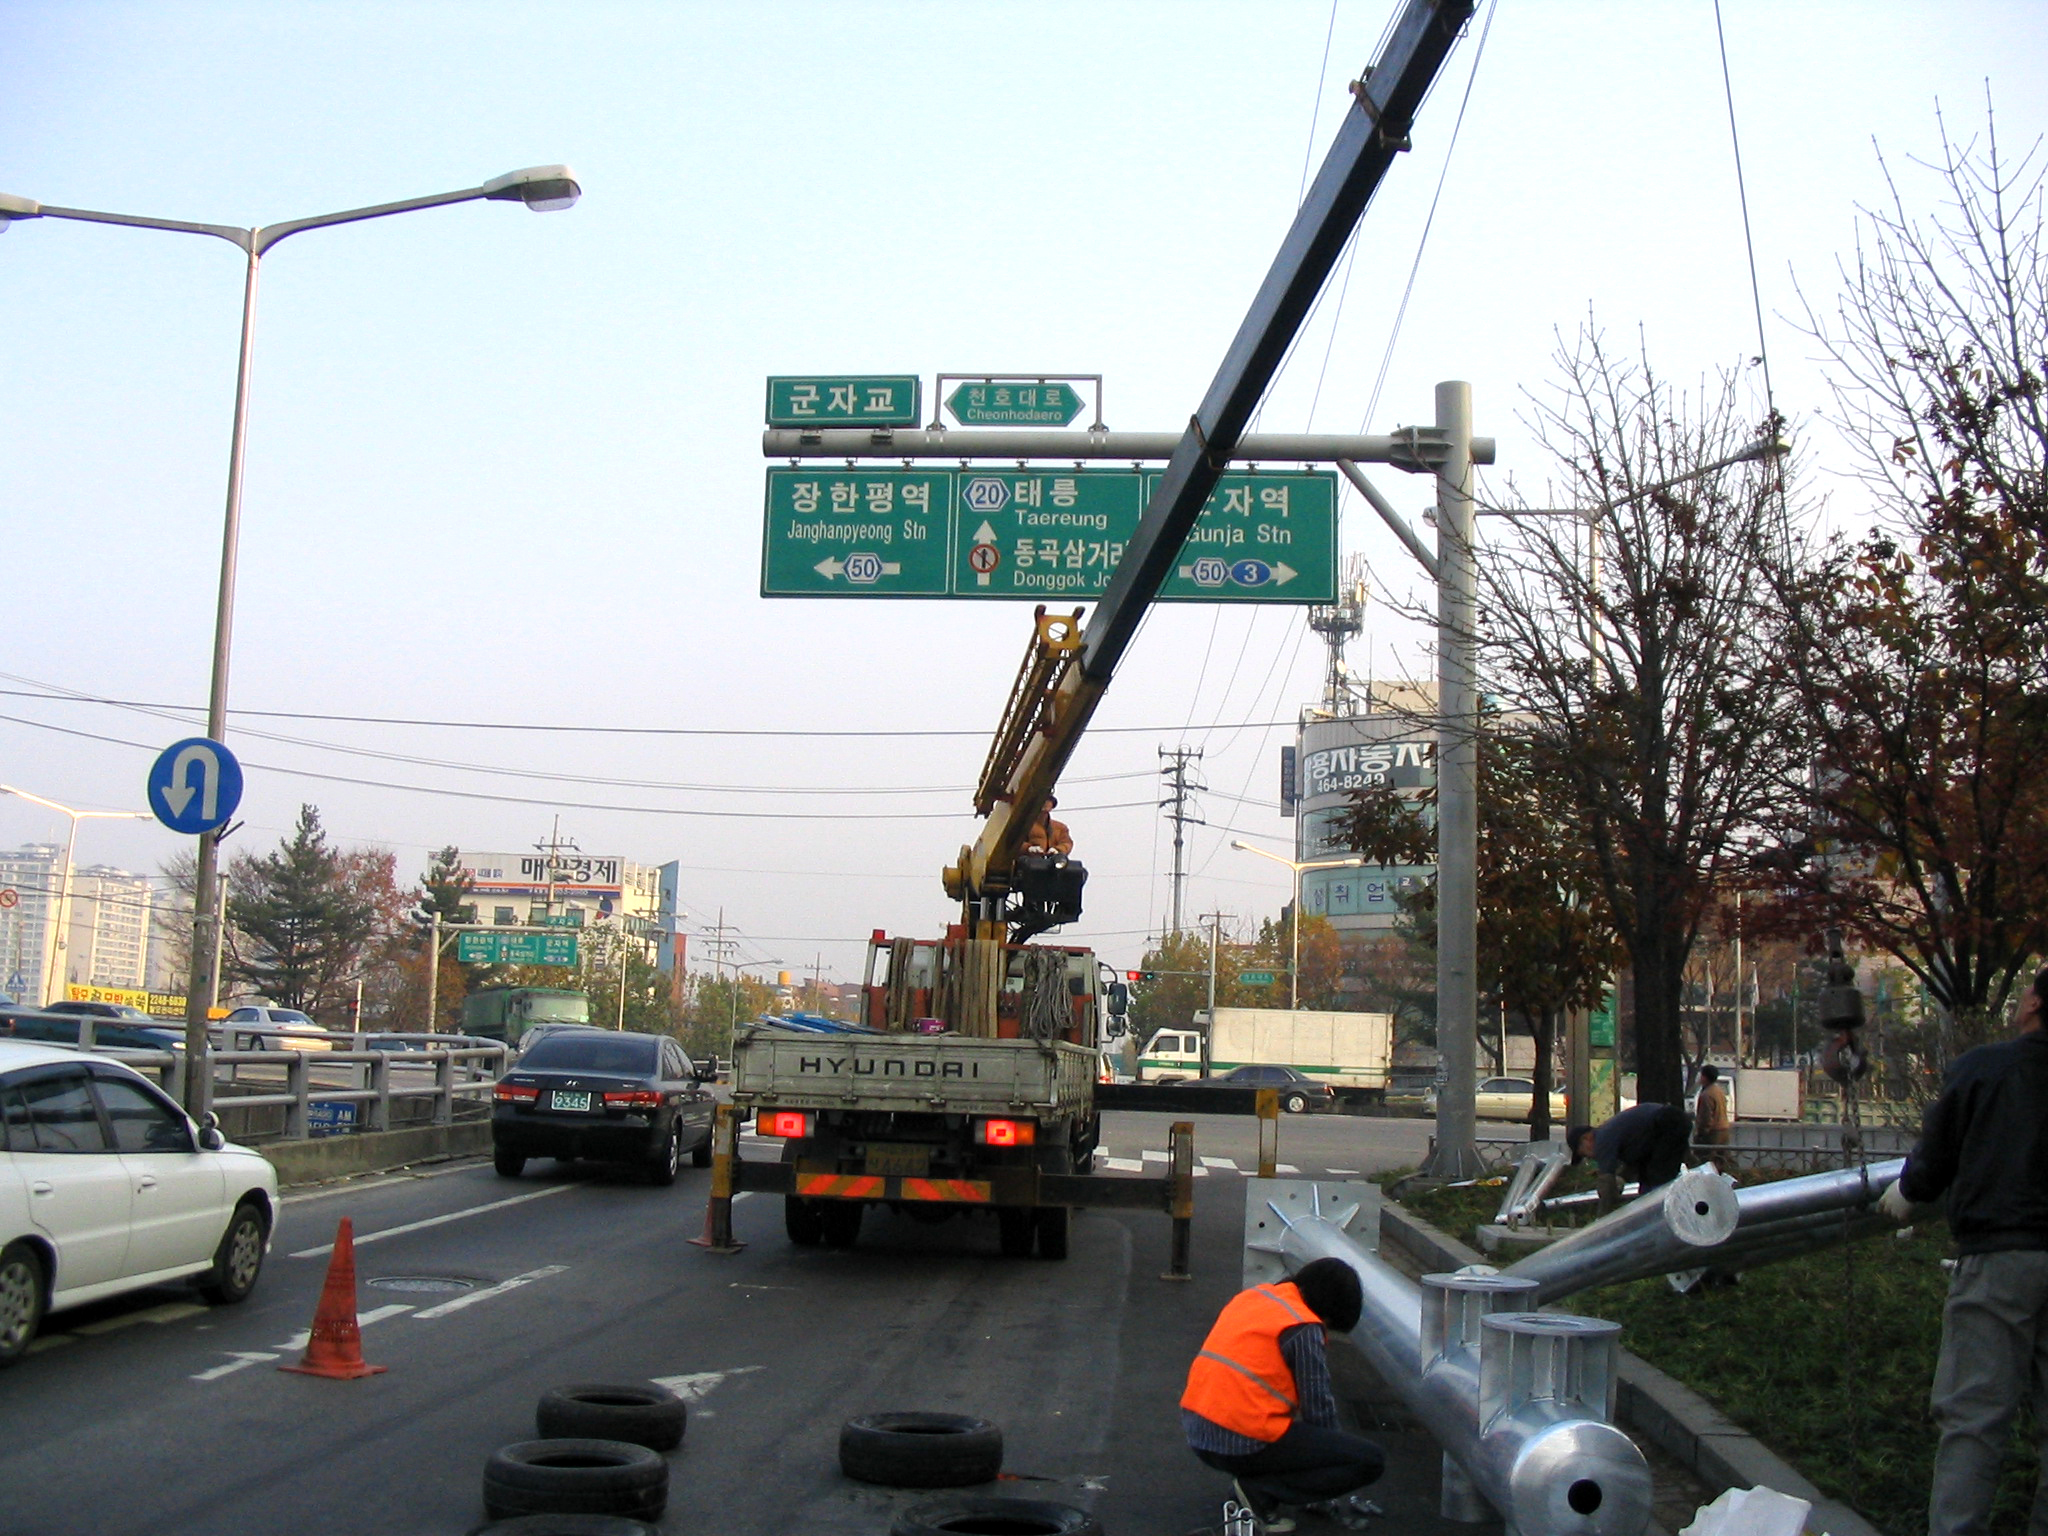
458	1072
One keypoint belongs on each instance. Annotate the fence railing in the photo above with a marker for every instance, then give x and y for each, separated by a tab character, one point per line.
424	1067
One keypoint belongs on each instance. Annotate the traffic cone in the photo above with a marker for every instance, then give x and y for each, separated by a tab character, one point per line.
335	1347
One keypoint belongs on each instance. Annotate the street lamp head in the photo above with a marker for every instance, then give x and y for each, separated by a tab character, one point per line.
1773	447
543	188
12	208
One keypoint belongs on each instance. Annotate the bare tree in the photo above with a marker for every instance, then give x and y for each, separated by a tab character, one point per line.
1626	643
1921	649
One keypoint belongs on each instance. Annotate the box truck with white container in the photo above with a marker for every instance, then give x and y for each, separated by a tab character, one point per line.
1352	1052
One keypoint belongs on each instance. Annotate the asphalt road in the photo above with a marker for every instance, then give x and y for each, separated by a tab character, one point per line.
157	1415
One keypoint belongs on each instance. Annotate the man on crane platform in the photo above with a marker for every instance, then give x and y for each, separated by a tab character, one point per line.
1048	835
1258	1403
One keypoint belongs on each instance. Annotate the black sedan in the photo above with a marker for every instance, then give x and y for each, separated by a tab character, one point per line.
604	1095
1299	1093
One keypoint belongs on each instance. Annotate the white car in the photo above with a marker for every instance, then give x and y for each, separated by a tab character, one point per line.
254	1028
106	1186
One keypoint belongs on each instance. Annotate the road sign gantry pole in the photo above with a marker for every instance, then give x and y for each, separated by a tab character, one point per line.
1419	449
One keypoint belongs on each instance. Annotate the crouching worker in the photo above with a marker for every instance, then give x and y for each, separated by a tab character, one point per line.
1646	1143
1258	1403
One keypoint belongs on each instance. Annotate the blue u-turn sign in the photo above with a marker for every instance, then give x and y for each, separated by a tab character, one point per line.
195	785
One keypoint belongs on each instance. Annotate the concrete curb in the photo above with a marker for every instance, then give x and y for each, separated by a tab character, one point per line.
335	1157
1684	1425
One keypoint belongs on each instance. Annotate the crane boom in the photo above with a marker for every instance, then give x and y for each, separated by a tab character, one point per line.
1065	677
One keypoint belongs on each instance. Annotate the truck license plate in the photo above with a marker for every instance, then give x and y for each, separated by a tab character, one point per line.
900	1162
579	1102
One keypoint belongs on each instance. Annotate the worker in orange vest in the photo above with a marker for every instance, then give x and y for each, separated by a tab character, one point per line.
1258	1403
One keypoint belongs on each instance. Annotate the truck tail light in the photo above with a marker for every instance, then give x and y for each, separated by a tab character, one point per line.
793	1123
1006	1133
514	1093
633	1098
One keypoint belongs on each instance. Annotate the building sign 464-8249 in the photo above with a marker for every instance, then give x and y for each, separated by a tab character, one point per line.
1368	765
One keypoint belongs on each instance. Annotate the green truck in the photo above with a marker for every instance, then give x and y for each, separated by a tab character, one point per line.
507	1013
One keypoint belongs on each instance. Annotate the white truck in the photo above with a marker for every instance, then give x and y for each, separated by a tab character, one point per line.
1352	1052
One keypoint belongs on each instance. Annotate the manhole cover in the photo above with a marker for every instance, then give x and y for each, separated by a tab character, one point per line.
420	1283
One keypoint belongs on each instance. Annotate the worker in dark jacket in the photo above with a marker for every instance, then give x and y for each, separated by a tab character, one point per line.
1646	1143
1984	1145
1258	1403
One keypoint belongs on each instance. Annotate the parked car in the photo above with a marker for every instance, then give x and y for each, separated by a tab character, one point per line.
106	1186
112	1034
1505	1098
1299	1093
601	1094
263	1028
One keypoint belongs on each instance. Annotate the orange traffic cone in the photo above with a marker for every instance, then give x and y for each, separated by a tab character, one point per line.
335	1347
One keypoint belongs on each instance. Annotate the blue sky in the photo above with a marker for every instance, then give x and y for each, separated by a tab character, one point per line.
506	467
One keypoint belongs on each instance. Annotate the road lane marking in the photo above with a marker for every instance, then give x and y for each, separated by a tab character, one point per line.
378	1314
1341	1170
238	1362
1220	1162
1150	1156
1124	1164
434	1221
503	1286
169	1312
693	1388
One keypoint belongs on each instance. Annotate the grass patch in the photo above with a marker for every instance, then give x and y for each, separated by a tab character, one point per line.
1828	1359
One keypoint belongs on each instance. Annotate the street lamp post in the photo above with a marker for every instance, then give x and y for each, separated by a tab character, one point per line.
59	925
544	189
1297	867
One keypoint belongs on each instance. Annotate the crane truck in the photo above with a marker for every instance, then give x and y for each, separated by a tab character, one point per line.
970	1084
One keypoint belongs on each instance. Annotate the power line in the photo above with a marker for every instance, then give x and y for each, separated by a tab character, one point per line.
67	697
564	805
1756	298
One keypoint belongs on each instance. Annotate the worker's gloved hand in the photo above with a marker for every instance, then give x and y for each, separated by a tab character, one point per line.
1893	1203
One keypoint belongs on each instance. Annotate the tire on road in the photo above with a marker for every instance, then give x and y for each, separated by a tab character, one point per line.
667	1159
803	1221
509	1164
1052	1222
920	1450
700	1155
239	1258
636	1411
841	1222
1015	1229
23	1296
566	1525
989	1512
575	1477
1295	1103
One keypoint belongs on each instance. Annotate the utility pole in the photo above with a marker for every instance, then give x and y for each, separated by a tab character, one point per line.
1215	948
553	849
1175	772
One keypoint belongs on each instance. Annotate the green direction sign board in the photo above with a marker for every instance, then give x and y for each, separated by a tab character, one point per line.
516	948
1039	533
1255	978
1010	404
559	920
1261	538
1042	533
889	401
857	533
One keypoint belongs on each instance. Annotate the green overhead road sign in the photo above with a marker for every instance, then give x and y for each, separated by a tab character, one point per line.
516	948
1261	538
1255	978
1043	532
1039	533
857	533
888	401
1010	404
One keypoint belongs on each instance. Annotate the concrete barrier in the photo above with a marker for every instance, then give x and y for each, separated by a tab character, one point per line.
336	1157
